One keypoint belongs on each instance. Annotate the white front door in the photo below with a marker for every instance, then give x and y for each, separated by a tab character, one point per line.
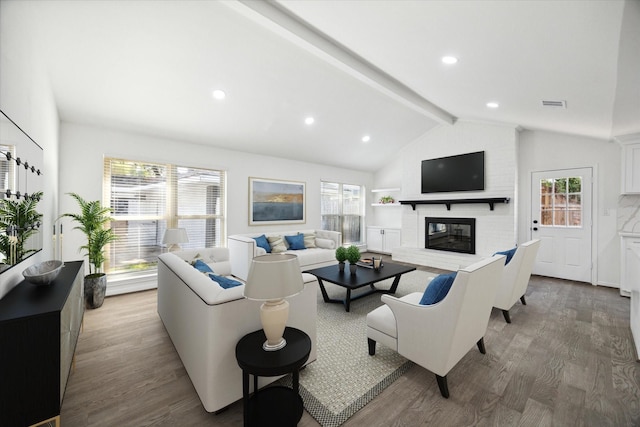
561	219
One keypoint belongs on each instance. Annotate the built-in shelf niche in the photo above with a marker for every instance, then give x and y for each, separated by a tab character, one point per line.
385	190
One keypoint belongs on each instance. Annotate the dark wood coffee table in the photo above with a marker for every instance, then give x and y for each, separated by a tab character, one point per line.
364	277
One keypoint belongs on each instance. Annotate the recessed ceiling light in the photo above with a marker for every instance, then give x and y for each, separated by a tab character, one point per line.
449	59
493	104
366	138
219	94
309	120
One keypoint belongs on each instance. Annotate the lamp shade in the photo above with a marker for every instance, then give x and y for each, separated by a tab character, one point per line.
273	276
174	236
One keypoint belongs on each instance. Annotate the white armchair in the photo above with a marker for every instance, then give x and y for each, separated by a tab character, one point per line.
515	277
437	336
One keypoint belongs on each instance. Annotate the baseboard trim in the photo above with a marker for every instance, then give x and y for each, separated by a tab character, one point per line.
130	285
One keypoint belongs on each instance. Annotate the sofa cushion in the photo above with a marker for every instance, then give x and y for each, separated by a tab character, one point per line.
325	243
438	288
309	240
222	268
296	243
202	266
382	319
508	253
313	256
263	243
224	282
277	244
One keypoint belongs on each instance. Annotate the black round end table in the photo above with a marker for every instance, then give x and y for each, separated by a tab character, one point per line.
273	405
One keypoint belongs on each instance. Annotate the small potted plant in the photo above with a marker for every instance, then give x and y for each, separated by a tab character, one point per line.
92	220
341	256
353	256
386	199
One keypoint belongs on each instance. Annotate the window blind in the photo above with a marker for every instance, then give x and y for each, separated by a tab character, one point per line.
342	209
147	198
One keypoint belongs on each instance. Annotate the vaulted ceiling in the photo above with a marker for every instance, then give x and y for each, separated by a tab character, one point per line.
357	67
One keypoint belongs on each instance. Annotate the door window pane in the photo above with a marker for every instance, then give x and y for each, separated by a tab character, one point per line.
559	218
559	200
575	185
574	218
560	186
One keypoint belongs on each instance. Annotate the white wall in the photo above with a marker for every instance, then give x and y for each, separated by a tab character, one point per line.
26	97
83	148
626	112
540	151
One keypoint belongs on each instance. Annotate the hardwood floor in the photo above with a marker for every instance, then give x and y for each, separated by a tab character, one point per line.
566	360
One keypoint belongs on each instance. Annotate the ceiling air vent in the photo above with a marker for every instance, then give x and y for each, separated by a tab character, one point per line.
554	104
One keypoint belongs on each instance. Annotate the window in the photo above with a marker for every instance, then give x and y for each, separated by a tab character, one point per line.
342	209
561	202
148	198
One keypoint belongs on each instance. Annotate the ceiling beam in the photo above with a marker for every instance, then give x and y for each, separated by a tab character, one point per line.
310	38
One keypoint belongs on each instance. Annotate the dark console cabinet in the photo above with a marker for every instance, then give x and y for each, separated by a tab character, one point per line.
39	328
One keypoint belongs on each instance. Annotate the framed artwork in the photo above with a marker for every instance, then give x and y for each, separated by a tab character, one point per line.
276	202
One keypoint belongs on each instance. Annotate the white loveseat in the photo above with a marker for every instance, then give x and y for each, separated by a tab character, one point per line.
205	322
243	249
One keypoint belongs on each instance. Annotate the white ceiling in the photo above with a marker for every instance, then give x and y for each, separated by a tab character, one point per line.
359	67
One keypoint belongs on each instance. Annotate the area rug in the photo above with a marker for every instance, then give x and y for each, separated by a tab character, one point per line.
344	378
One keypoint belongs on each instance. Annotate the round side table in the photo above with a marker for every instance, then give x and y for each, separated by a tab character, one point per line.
273	405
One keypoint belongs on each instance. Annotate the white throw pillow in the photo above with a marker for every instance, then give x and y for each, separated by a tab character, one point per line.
325	243
309	240
277	244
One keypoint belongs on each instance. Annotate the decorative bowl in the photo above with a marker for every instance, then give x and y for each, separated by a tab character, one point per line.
43	273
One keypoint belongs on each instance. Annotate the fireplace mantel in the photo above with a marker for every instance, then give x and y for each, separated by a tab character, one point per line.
448	202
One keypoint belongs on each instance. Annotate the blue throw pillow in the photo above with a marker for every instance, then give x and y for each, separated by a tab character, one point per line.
438	288
224	282
509	254
262	242
296	242
202	266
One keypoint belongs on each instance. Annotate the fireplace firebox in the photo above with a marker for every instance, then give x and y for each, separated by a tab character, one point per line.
450	234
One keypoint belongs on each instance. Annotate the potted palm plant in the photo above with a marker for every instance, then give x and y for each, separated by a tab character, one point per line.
353	256
19	220
92	219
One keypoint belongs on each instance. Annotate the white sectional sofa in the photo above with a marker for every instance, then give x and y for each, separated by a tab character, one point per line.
205	321
243	249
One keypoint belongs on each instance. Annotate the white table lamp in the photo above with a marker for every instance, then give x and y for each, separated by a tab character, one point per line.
272	278
173	237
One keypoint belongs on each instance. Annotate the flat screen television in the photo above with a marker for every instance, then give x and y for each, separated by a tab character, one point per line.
464	172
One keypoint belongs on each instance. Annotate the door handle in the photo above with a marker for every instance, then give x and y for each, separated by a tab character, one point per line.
535	228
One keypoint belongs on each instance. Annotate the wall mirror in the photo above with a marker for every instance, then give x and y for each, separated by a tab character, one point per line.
21	185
